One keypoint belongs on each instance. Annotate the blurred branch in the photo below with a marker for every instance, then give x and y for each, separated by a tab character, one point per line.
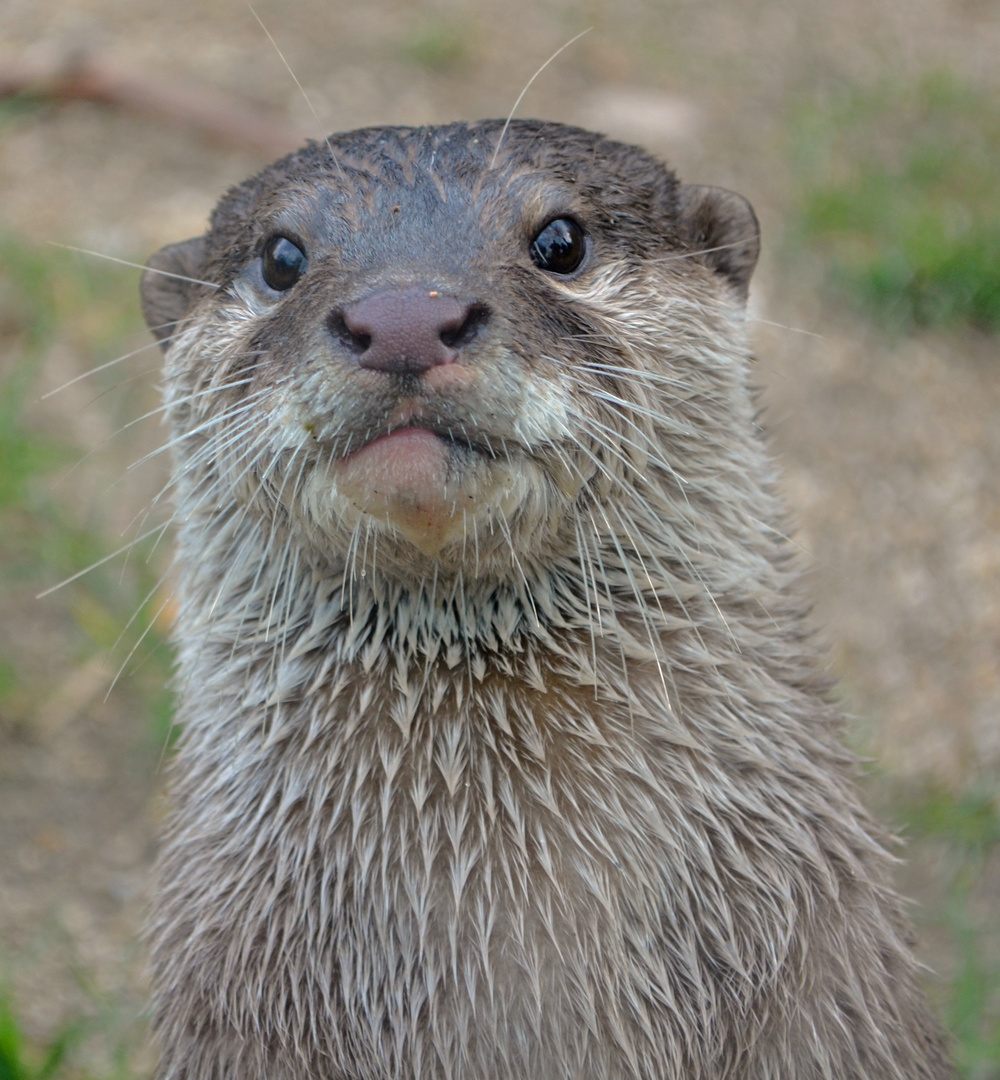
81	77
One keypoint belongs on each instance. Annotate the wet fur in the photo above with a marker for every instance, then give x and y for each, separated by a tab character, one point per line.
567	797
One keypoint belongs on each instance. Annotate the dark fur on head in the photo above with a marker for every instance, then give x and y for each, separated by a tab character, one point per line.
522	764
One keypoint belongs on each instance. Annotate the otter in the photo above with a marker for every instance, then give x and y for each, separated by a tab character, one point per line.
507	749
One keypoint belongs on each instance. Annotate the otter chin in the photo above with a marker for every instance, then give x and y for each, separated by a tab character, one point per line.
411	480
507	749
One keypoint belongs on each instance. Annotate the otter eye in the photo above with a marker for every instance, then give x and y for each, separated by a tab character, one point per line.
282	263
559	247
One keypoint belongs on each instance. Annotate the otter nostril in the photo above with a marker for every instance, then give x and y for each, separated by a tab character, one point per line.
353	341
455	336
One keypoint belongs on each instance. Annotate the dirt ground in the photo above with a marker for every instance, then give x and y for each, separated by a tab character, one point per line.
890	447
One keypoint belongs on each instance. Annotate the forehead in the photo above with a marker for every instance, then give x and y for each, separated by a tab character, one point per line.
467	151
425	211
431	188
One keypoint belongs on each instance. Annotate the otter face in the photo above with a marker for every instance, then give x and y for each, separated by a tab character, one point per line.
436	341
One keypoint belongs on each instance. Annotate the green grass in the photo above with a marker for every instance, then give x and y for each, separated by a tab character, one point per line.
56	302
18	1061
439	45
899	195
59	1056
48	294
963	832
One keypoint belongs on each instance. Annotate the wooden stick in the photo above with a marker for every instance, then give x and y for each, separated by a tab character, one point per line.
214	114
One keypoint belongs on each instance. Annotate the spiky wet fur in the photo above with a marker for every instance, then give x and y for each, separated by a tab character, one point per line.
564	800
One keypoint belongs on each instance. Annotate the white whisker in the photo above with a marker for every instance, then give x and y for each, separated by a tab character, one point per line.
295	79
527	87
134	265
96	370
100	562
783	326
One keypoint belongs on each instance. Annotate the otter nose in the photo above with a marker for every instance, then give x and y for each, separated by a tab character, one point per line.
407	332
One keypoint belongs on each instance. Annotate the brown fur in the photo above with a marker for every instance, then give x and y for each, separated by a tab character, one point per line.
556	791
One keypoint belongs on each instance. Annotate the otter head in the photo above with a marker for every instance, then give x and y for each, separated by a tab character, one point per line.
437	342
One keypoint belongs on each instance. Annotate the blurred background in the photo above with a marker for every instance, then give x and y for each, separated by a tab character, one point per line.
867	135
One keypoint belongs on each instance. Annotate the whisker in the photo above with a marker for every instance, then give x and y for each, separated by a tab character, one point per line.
100	562
302	91
99	368
783	326
634	375
701	251
136	646
245	405
606	580
148	457
527	87
135	615
180	401
212	447
134	265
589	421
505	528
589	583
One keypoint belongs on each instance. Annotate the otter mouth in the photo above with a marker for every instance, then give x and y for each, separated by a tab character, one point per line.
422	482
448	437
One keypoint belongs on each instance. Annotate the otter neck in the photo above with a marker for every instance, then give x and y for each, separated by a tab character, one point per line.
289	626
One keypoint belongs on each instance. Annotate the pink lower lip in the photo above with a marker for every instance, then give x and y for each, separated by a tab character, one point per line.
404	440
410	479
412	434
409	463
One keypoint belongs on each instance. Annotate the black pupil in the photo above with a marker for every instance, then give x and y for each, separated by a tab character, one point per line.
559	247
283	263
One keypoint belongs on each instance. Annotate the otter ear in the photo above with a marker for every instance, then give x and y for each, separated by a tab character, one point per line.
723	228
166	287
